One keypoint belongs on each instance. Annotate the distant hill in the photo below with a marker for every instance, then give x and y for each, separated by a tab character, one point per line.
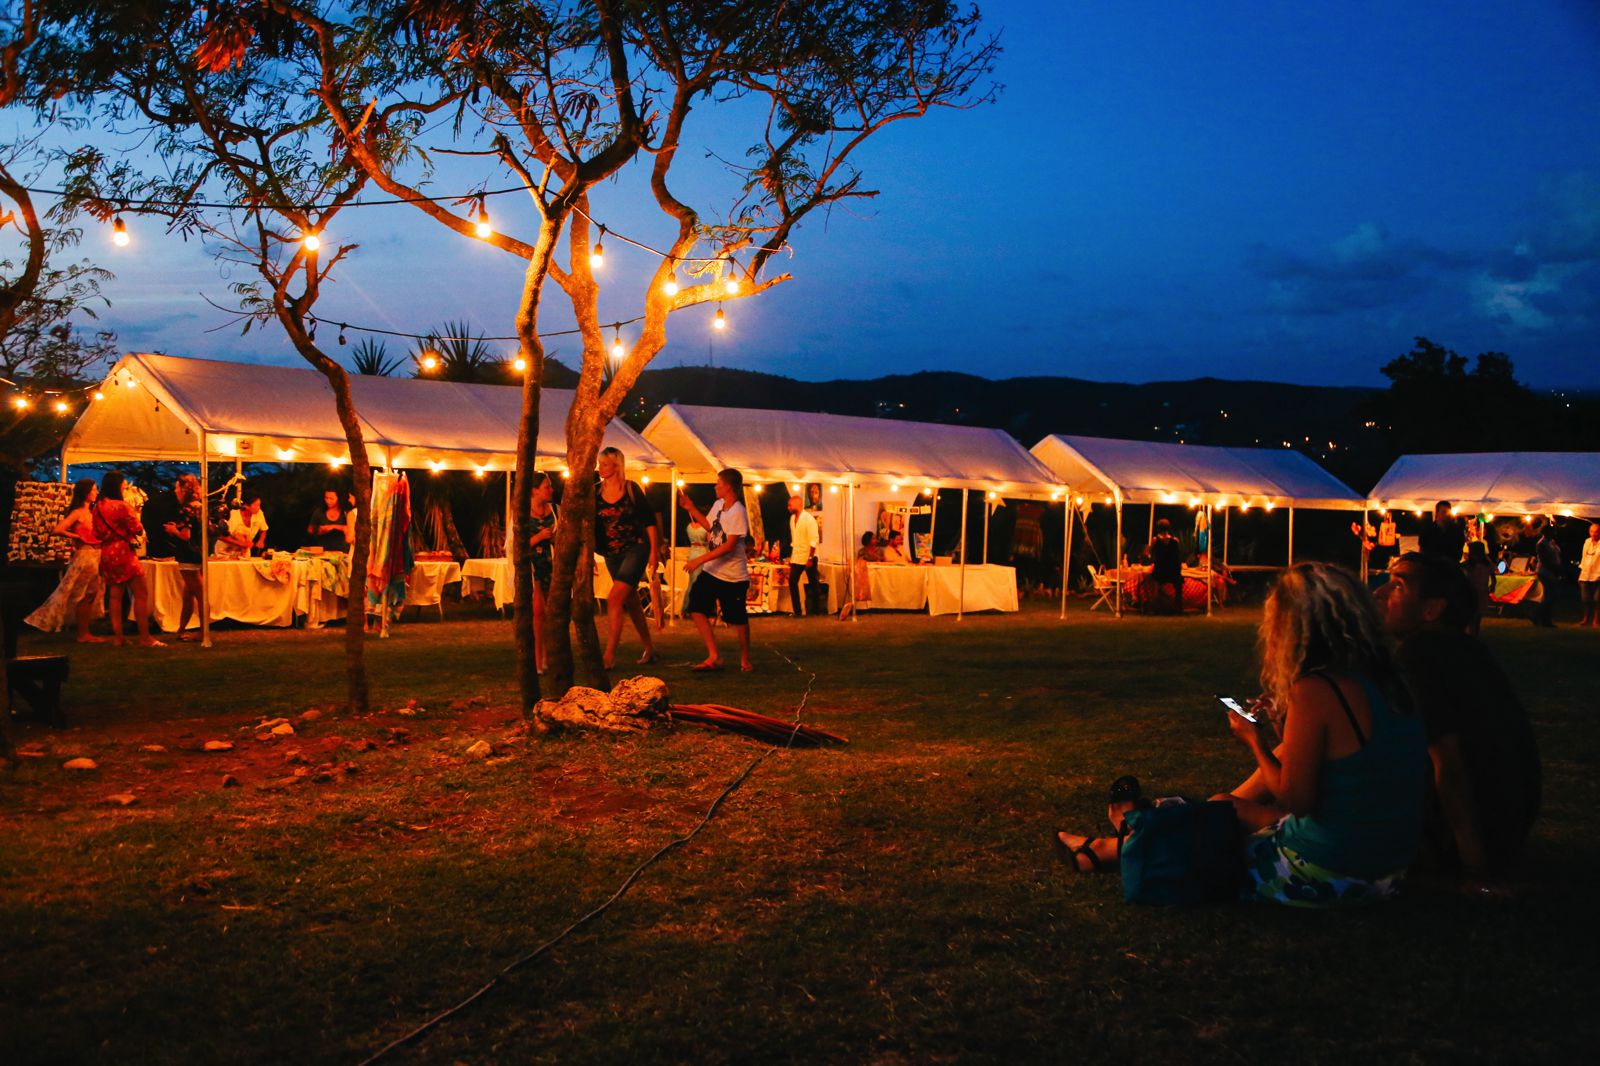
1326	423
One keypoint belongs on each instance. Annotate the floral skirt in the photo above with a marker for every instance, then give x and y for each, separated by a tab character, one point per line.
1276	873
81	580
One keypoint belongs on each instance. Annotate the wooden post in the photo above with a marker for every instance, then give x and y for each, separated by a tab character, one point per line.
961	602
933	528
850	553
672	548
1209	533
205	545
1066	552
1291	534
1116	554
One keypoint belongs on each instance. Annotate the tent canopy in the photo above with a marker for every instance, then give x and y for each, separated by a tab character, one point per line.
1556	483
157	406
794	446
1149	472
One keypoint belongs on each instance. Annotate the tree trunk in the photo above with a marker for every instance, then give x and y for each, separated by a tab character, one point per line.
572	584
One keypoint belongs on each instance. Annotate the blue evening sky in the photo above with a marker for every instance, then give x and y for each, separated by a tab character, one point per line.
1276	191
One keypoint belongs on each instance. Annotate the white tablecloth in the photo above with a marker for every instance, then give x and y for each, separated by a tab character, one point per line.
494	577
937	588
237	591
425	584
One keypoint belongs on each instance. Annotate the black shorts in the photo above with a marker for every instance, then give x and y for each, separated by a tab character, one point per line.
708	592
627	568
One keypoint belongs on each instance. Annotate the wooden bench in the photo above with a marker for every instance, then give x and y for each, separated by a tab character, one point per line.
38	680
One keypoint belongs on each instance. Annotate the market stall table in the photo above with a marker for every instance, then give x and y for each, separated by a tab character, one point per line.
1134	580
897	587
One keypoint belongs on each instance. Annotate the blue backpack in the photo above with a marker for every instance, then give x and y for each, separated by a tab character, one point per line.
1182	853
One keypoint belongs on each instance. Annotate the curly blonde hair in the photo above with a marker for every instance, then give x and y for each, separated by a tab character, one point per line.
1321	617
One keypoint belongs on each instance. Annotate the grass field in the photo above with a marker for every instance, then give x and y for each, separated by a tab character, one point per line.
895	900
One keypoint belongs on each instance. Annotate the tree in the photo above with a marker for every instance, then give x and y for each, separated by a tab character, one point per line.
566	96
1436	404
41	344
239	134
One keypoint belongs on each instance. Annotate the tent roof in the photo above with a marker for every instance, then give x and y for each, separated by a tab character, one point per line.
156	405
1513	482
1150	472
804	446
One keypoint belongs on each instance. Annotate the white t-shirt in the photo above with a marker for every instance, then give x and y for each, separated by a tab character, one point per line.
238	527
803	537
724	522
1589	568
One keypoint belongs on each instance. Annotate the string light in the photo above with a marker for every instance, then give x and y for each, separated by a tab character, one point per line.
342	341
119	232
680	482
22	403
670	286
98	395
483	229
520	365
833	489
720	321
310	240
617	351
644	480
478	473
285	454
429	361
61	407
597	258
730	285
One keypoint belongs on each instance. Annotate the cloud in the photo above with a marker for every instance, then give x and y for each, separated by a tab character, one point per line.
1363	270
1548	280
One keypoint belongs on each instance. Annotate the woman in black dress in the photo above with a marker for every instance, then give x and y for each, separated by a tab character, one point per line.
625	534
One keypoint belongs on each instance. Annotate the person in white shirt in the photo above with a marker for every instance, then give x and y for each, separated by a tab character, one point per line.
724	580
895	551
247	529
1589	577
804	539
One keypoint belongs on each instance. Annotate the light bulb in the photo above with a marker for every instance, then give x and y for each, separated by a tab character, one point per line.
285	454
483	229
721	321
670	286
98	395
644	481
833	488
60	406
680	482
520	364
119	232
617	351
597	258
22	403
730	286
566	473
429	361
311	241
478	473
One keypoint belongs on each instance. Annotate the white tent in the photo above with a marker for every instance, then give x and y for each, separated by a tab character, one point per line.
172	408
872	460
1118	472
1553	483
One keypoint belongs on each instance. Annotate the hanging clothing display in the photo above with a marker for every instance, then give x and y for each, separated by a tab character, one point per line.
389	557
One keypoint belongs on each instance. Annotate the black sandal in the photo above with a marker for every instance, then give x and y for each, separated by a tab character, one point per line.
1069	855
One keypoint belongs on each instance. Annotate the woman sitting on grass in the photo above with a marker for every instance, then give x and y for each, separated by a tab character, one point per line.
1337	805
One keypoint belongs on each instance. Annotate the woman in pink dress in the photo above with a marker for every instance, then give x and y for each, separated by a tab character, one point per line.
116	527
81	588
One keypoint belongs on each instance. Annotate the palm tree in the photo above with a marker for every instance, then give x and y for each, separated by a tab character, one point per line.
371	357
457	356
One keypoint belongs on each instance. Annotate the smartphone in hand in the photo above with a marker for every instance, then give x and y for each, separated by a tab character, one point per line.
1238	708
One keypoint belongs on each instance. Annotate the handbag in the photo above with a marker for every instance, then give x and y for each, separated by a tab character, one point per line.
1182	853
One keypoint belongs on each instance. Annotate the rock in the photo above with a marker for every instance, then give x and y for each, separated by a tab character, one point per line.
218	745
80	763
302	771
481	750
399	735
265	738
268	723
350	768
627	709
283	729
229	781
295	758
154	749
322	777
366	744
121	799
311	716
408	710
278	784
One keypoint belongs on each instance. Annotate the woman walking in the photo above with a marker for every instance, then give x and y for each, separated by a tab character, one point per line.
116	527
625	534
81	588
544	517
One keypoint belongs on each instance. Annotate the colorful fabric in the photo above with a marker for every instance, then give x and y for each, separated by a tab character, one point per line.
1276	873
80	581
278	566
390	557
116	527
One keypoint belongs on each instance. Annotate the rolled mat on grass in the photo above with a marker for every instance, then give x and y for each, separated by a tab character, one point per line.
750	724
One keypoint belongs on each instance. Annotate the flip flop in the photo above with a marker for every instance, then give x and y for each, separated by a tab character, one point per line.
707	667
748	668
1069	855
647	658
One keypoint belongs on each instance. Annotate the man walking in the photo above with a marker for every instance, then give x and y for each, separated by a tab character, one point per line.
804	540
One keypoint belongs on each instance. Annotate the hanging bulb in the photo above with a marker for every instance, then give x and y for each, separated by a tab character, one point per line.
730	284
670	286
98	395
429	361
721	321
342	341
119	232
312	335
617	351
520	365
60	406
310	240
597	257
483	229
22	403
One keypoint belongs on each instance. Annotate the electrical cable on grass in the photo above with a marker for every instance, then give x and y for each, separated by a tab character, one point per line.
622	889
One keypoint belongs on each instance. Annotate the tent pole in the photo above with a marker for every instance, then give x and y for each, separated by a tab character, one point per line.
1291	534
988	513
1208	563
1227	513
933	528
1116	554
1150	536
63	464
205	544
672	547
506	548
850	555
1066	551
961	603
